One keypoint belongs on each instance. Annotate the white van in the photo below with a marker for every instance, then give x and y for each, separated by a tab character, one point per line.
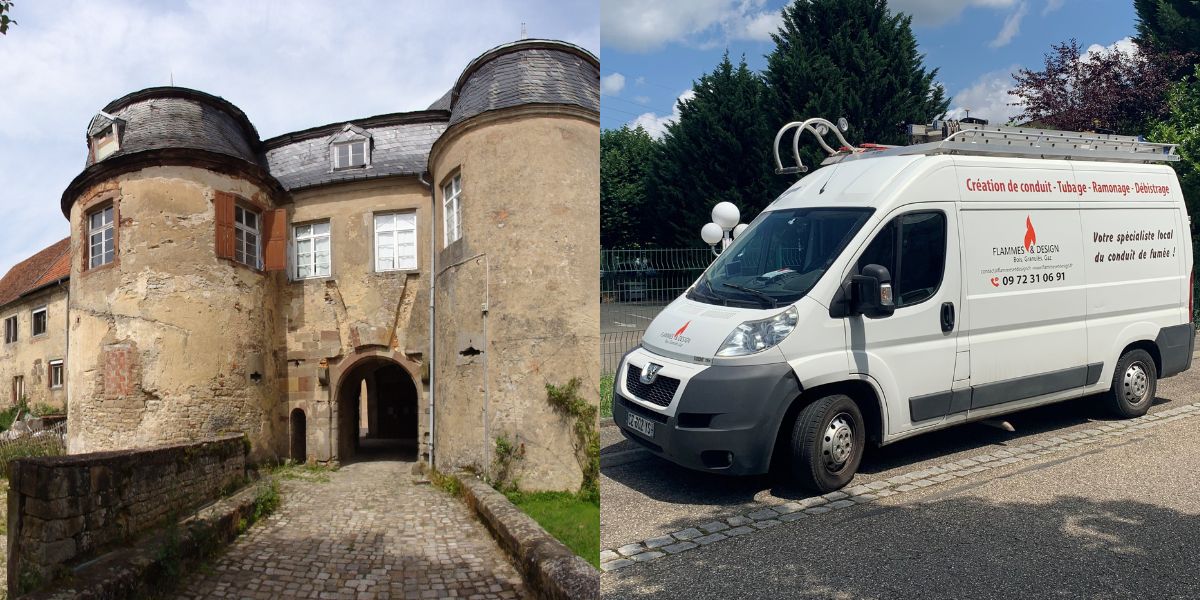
904	290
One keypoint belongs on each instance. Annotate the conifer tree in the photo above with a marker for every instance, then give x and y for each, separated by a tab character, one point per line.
718	150
625	156
853	59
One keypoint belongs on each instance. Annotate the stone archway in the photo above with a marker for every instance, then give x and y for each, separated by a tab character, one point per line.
376	403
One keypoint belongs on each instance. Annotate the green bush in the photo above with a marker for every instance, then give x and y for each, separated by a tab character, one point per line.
606	395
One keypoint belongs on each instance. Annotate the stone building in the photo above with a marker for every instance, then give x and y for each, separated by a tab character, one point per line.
417	277
33	309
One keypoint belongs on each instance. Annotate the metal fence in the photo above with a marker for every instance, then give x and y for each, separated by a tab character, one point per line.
35	437
634	286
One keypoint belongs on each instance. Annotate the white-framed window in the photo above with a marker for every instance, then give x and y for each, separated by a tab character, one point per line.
452	210
247	237
102	243
56	374
39	318
10	329
311	249
350	155
18	389
396	241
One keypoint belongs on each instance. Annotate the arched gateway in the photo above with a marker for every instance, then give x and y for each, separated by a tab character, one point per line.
376	407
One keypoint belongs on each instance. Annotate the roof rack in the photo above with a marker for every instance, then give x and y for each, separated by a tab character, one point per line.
956	137
993	140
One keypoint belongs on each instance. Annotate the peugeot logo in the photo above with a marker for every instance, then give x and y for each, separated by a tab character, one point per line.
650	373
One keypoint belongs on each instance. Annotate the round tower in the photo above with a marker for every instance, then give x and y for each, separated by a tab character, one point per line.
173	320
517	297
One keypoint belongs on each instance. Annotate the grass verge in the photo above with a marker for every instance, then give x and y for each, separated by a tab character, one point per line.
303	472
606	395
571	518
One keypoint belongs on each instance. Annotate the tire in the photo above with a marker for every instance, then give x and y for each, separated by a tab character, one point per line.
1134	384
827	443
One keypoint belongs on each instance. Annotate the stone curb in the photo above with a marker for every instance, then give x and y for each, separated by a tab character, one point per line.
607	422
770	515
550	569
129	572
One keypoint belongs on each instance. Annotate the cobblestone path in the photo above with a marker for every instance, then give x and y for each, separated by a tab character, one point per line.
369	532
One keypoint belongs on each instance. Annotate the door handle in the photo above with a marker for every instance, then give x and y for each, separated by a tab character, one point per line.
947	316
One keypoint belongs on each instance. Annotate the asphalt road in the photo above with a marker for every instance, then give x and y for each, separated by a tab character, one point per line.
628	316
1115	519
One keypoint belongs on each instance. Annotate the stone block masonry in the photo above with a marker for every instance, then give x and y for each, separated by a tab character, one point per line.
67	509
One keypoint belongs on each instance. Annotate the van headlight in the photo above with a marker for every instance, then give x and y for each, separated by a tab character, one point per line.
756	336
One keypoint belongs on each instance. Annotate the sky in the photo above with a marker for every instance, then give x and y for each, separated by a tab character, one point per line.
288	64
654	49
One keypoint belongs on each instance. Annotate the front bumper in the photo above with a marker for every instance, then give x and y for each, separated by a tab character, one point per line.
722	419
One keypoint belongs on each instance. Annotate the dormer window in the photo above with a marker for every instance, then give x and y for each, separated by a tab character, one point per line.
350	149
104	135
350	155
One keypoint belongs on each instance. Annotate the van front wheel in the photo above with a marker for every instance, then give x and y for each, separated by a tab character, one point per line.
1134	384
827	443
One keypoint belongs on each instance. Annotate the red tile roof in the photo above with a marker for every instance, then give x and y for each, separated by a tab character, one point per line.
41	269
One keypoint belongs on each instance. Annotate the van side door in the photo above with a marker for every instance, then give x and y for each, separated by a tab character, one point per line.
911	353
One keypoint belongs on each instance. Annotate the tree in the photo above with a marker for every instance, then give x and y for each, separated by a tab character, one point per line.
718	150
1168	26
1108	90
853	59
625	156
1182	126
5	20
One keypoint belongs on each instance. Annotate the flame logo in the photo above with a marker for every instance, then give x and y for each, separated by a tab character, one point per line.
682	329
1030	234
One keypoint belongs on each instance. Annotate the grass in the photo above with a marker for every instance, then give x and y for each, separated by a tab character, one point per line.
606	395
575	521
304	472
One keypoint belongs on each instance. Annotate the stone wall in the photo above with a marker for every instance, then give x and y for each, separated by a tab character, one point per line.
169	343
64	510
30	356
528	251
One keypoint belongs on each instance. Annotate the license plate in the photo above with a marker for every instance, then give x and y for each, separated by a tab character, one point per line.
640	424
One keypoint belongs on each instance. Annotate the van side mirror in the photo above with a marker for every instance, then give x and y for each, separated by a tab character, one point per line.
871	292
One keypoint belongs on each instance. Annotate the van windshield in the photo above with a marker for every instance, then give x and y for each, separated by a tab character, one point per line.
779	258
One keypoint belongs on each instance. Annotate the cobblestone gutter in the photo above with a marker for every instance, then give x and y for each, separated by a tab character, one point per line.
551	570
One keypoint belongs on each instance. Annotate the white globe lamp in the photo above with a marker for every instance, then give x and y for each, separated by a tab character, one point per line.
711	233
739	229
726	215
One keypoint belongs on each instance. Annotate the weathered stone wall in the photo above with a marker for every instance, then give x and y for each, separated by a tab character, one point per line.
171	344
66	509
529	180
30	356
333	319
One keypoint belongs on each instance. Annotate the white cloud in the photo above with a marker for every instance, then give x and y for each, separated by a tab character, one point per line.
642	99
987	98
646	25
612	84
1011	27
1125	45
934	13
288	64
656	125
640	80
1052	5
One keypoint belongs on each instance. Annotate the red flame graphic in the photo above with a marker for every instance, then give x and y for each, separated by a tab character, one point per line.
1030	235
682	329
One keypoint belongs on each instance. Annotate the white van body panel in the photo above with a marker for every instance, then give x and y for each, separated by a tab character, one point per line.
1053	268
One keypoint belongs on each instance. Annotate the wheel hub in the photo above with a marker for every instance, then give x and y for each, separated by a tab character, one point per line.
837	442
1136	384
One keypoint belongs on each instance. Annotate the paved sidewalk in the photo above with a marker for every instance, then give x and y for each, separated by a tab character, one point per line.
367	533
1113	512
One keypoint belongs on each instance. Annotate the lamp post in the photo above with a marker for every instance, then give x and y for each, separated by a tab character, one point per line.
724	227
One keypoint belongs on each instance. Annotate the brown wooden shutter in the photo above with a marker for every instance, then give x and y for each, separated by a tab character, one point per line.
223	202
275	230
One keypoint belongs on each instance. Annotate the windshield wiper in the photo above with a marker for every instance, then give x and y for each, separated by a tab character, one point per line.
771	301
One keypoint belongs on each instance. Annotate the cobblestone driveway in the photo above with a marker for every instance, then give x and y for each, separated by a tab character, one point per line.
367	533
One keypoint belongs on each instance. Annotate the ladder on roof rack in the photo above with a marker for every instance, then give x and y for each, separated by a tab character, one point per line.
1024	142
